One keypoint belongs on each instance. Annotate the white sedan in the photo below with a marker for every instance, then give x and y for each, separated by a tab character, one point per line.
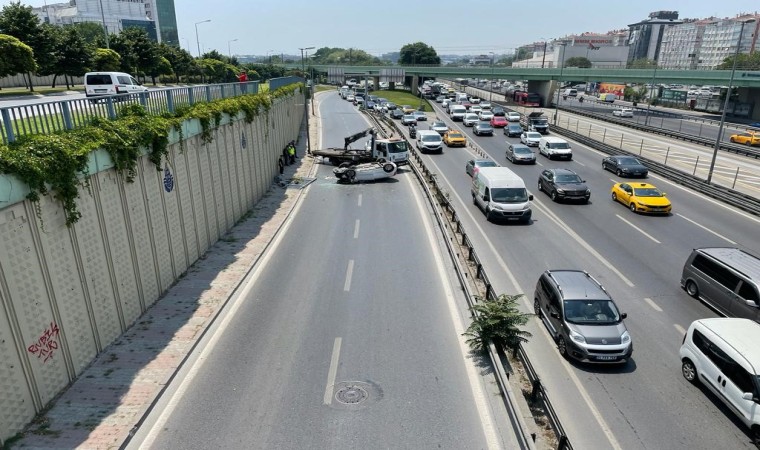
513	116
530	138
485	115
365	172
623	112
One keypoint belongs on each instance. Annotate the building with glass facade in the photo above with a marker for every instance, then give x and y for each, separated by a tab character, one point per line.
162	12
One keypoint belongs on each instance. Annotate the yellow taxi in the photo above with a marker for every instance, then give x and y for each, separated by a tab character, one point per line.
454	138
408	109
641	197
748	138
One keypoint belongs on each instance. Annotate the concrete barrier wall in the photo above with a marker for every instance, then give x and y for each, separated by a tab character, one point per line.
19	80
67	293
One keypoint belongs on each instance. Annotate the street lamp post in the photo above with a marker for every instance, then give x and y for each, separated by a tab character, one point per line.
651	91
229	48
197	40
559	81
305	104
105	28
725	103
543	58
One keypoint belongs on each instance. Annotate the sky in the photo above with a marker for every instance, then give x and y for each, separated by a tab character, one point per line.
377	27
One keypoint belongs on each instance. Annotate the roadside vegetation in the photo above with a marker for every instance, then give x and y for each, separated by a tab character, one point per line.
404	98
497	320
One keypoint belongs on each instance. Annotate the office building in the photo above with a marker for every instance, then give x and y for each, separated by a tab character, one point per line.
645	37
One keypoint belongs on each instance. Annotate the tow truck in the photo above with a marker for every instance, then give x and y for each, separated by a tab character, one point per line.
392	149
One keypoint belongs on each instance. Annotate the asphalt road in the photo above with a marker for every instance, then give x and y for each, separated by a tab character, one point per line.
357	294
646	403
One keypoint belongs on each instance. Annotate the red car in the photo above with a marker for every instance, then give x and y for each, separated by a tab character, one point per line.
499	121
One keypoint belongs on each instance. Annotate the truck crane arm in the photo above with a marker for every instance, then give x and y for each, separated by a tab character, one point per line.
355	137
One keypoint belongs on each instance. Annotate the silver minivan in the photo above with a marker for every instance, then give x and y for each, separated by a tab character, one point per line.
727	279
581	317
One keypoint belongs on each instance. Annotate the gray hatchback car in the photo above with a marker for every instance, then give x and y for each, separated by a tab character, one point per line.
581	317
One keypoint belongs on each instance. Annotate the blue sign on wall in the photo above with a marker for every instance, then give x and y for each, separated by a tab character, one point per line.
168	179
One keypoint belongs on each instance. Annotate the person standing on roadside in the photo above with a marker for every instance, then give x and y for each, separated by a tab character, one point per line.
292	153
243	79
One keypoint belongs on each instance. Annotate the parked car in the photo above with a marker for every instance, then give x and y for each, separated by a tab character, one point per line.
473	165
563	184
519	153
747	138
625	166
513	129
498	121
623	112
482	128
530	138
470	119
454	138
641	197
365	171
439	127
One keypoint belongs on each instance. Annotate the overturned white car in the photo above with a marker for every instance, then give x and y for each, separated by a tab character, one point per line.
365	172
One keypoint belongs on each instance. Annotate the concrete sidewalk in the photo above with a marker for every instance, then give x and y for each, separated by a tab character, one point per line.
101	408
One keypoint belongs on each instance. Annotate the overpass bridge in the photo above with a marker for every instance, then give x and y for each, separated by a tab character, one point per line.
544	80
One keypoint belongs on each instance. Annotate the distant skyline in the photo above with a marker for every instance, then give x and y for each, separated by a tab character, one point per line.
450	27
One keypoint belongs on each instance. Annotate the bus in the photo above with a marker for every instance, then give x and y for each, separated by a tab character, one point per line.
528	99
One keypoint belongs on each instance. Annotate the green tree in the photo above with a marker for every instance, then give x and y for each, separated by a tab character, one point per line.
15	56
642	63
74	57
106	60
181	61
18	21
92	33
743	61
164	67
498	321
419	53
217	71
578	61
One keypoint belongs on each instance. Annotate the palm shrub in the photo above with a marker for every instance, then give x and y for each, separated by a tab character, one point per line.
498	320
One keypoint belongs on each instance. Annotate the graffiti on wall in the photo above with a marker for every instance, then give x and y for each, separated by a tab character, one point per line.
46	344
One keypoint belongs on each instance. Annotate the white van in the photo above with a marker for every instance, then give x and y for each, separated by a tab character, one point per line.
99	84
457	112
501	194
429	141
554	147
722	354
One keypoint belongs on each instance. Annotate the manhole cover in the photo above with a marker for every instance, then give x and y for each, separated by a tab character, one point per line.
351	395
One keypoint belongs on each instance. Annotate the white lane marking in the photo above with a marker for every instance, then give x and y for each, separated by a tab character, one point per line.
566	228
489	429
529	305
680	329
332	373
578	162
226	315
539	164
349	274
356	229
360	199
706	229
614	181
653	304
638	229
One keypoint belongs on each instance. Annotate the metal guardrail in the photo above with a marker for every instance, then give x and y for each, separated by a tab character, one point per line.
437	194
50	117
733	148
734	198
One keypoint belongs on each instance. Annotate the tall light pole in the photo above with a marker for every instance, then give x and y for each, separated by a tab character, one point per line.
543	58
651	91
303	67
559	81
725	103
197	40
490	90
305	103
229	51
105	28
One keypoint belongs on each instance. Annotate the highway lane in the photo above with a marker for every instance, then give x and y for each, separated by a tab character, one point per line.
646	404
357	293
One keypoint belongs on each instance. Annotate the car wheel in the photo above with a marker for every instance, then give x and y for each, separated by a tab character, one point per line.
632	207
540	188
692	289
554	196
619	173
537	308
689	371
350	174
388	168
732	140
748	143
614	197
489	215
562	346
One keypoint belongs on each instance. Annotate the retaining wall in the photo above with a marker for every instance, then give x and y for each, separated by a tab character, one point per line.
67	293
